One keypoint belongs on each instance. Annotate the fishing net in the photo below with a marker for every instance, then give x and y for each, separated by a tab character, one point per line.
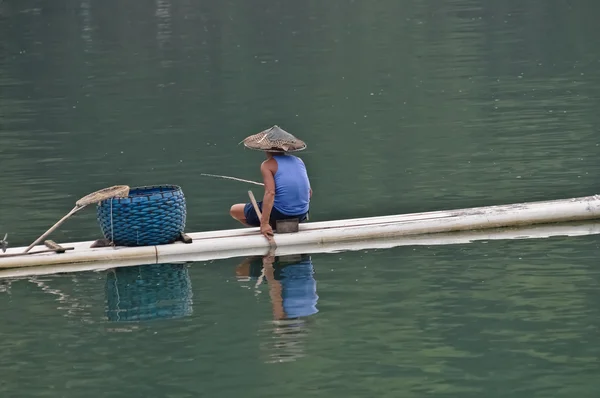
274	139
117	191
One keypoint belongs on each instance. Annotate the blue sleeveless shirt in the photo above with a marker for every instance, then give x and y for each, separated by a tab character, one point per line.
291	186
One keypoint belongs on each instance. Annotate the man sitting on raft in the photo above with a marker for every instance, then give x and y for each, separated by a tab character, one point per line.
287	187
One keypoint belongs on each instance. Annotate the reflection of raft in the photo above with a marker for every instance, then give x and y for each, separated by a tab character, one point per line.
157	291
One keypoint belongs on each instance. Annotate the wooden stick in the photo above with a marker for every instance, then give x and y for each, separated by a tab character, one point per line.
29	253
50	244
259	214
48	232
232	178
253	200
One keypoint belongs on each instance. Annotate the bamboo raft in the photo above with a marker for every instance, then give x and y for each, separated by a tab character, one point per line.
312	237
451	238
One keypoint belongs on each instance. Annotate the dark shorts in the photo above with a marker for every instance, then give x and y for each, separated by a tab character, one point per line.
252	217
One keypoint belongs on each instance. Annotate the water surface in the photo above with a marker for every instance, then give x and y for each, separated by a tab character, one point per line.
414	106
500	318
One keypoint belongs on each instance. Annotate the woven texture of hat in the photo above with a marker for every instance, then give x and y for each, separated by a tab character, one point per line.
274	138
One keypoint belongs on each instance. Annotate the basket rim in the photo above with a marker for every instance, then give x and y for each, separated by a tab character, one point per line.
134	192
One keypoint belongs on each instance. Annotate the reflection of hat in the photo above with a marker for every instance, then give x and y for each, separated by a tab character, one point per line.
274	139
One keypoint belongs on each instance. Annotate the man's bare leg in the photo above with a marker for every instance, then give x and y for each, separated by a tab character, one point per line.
237	212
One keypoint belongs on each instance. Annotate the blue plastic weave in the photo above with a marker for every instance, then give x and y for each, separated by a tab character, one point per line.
148	292
152	215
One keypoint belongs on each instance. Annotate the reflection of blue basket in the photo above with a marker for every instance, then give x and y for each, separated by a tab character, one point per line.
153	215
147	292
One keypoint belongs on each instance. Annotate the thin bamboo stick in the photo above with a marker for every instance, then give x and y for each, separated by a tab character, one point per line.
232	178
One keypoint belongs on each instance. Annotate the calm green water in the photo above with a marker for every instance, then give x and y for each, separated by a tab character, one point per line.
406	106
504	318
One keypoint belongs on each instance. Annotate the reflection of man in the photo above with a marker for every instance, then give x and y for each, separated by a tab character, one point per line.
292	287
293	293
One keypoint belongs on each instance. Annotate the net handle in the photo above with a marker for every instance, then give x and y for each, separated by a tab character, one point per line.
94	197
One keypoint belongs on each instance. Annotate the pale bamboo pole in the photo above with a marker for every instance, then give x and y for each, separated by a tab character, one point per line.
232	178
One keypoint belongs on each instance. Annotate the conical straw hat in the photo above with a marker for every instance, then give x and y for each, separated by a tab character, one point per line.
274	139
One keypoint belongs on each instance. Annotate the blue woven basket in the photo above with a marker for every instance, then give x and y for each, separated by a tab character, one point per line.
152	215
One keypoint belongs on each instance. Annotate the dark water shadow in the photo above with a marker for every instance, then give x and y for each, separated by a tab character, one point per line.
293	295
148	292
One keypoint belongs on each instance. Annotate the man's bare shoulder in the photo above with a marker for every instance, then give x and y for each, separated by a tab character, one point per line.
269	164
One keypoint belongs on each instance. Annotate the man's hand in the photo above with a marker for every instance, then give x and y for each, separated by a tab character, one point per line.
267	231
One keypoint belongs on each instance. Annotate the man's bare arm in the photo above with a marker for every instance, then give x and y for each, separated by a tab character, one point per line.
269	196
